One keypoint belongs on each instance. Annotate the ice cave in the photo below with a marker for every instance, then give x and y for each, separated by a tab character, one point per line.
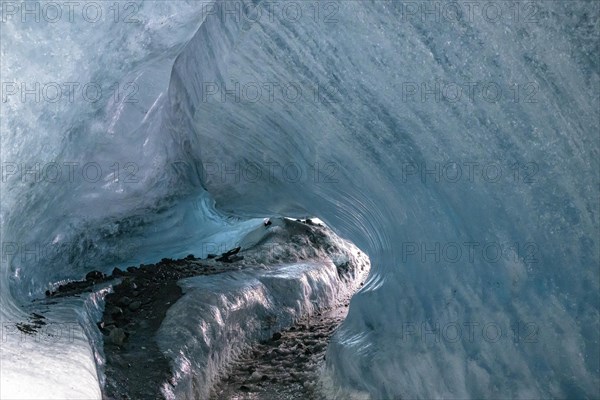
281	199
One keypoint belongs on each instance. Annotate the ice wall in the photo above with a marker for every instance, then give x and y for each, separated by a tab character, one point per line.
460	154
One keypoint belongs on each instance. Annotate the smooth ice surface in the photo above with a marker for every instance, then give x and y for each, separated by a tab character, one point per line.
375	164
58	361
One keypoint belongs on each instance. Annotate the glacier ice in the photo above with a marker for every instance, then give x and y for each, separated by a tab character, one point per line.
369	137
282	280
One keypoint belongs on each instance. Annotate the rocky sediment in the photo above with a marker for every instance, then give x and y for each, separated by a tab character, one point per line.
286	367
135	368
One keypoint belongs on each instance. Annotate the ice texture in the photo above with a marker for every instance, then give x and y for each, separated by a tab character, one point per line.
377	164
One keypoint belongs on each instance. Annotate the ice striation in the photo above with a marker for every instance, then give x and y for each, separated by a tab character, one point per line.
460	154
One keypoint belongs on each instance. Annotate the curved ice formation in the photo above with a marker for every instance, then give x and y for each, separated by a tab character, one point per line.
360	124
294	271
